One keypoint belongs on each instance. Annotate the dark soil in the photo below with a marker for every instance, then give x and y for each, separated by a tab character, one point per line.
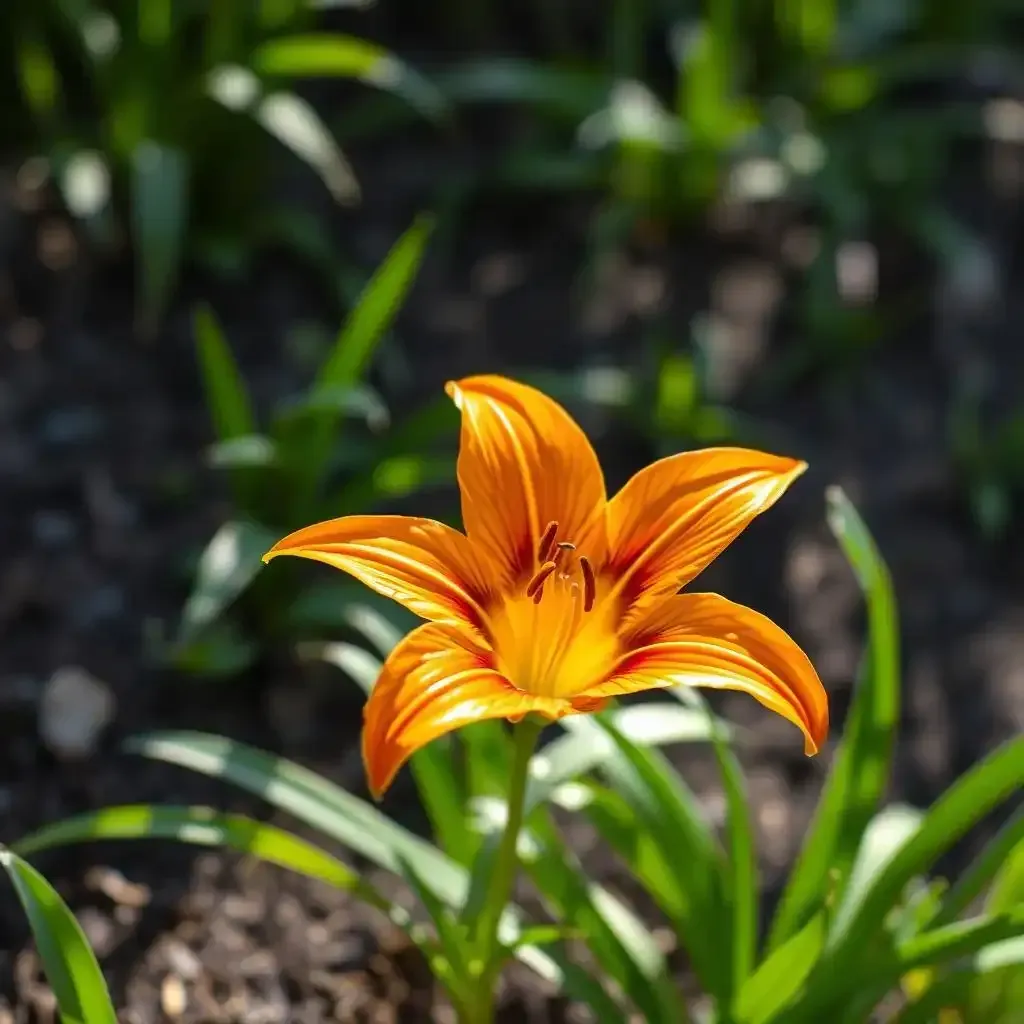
105	494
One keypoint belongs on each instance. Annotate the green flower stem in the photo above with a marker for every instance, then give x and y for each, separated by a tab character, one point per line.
524	737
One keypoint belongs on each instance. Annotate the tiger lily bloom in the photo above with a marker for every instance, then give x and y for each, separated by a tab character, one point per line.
555	598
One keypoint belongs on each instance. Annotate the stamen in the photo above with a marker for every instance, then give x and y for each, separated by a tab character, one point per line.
563	548
589	583
533	588
546	540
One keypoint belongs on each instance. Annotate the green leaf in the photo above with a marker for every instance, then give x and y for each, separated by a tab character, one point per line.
963	938
976	988
221	651
201	826
450	964
333	55
226	568
860	771
432	766
568	93
1002	859
578	752
779	977
252	451
226	395
741	871
327	808
376	308
353	349
69	963
670	811
858	963
1008	887
227	398
621	943
290	120
963	805
886	834
619	825
160	185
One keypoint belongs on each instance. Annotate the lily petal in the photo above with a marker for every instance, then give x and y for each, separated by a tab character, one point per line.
706	640
434	682
524	463
422	564
672	519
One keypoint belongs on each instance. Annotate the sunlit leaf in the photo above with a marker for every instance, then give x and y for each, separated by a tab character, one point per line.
160	187
329	809
292	121
333	54
226	568
860	771
69	962
779	977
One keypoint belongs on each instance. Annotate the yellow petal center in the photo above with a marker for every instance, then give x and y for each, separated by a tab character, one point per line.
555	637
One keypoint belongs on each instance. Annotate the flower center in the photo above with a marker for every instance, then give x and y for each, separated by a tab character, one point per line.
555	636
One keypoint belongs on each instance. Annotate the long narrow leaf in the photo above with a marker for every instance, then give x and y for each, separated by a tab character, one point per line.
326	807
353	349
160	186
335	55
201	826
860	772
226	394
962	806
741	873
376	308
670	811
433	766
995	861
68	961
779	977
577	753
621	943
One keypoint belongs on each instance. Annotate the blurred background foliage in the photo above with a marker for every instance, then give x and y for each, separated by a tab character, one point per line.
198	136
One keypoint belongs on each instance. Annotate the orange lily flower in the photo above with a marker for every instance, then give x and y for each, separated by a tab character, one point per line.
556	598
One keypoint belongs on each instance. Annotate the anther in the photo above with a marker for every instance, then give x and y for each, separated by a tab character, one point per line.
546	540
589	583
533	588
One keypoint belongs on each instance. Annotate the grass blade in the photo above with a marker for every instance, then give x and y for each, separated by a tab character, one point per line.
376	308
433	766
576	753
201	826
741	877
353	349
670	812
860	772
962	806
69	962
619	941
327	808
227	566
160	184
996	861
227	397
335	55
779	977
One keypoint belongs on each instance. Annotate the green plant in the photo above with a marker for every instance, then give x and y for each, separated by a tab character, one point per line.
163	115
988	454
314	459
67	959
860	919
